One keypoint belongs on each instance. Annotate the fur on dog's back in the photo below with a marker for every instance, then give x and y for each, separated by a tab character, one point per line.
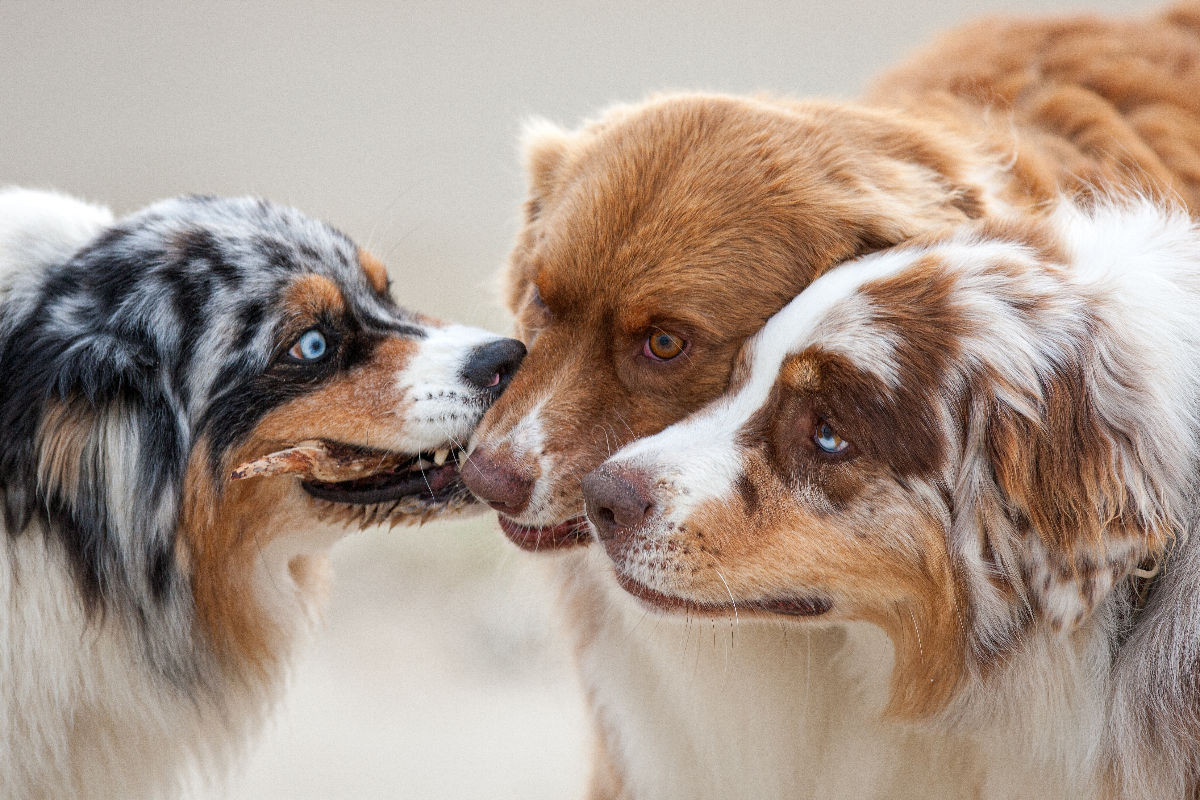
1079	101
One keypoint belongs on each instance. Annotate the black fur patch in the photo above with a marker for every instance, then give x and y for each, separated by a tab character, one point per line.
155	331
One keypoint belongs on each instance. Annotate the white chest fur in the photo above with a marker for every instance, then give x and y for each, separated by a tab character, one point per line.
761	709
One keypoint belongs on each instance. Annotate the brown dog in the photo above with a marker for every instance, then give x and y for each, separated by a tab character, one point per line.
660	236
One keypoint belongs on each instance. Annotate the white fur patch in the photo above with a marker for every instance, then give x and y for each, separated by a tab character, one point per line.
442	406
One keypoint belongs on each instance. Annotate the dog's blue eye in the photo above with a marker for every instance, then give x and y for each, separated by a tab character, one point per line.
827	439
311	346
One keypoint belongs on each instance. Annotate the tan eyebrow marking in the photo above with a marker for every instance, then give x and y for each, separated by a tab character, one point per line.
802	371
313	294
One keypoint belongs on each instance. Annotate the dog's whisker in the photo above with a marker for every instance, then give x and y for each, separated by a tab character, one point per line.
732	601
621	418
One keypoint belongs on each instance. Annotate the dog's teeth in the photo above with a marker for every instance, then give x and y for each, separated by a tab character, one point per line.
420	464
440	456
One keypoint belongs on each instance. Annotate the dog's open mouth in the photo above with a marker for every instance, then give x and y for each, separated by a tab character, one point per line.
368	485
789	606
431	477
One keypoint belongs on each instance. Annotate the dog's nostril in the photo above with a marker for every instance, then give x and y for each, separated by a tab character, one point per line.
606	517
491	366
618	500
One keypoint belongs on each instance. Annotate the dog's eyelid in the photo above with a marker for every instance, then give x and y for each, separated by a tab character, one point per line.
638	325
661	346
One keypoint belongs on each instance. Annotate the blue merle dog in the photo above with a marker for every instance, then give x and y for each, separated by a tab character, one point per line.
196	401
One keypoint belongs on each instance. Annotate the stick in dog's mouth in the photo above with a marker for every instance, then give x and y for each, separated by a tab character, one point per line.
374	485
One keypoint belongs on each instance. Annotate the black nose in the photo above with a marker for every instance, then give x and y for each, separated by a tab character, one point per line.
618	500
490	366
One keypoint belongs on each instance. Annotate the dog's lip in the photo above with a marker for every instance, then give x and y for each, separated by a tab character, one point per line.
799	606
569	533
432	485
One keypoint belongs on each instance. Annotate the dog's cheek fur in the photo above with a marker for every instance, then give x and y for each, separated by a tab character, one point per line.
337	410
109	452
223	531
878	559
225	524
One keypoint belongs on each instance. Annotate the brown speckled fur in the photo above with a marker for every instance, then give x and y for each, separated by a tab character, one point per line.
702	214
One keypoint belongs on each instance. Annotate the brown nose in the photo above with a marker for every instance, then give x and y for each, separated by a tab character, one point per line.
500	481
618	500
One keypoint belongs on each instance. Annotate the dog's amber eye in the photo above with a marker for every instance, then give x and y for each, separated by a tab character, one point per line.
827	438
663	346
311	346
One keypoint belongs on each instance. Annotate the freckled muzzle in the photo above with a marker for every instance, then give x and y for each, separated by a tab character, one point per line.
625	507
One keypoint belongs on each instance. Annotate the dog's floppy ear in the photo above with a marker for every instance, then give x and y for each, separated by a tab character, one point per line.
896	177
93	441
1080	483
895	200
545	147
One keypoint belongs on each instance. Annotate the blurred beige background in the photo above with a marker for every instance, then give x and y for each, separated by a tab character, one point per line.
438	674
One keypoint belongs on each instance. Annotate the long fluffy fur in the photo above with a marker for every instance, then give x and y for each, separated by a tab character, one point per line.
1029	658
149	605
702	215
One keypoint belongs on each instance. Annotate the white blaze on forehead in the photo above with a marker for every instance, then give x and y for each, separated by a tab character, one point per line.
702	449
442	354
528	442
831	314
440	405
847	329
